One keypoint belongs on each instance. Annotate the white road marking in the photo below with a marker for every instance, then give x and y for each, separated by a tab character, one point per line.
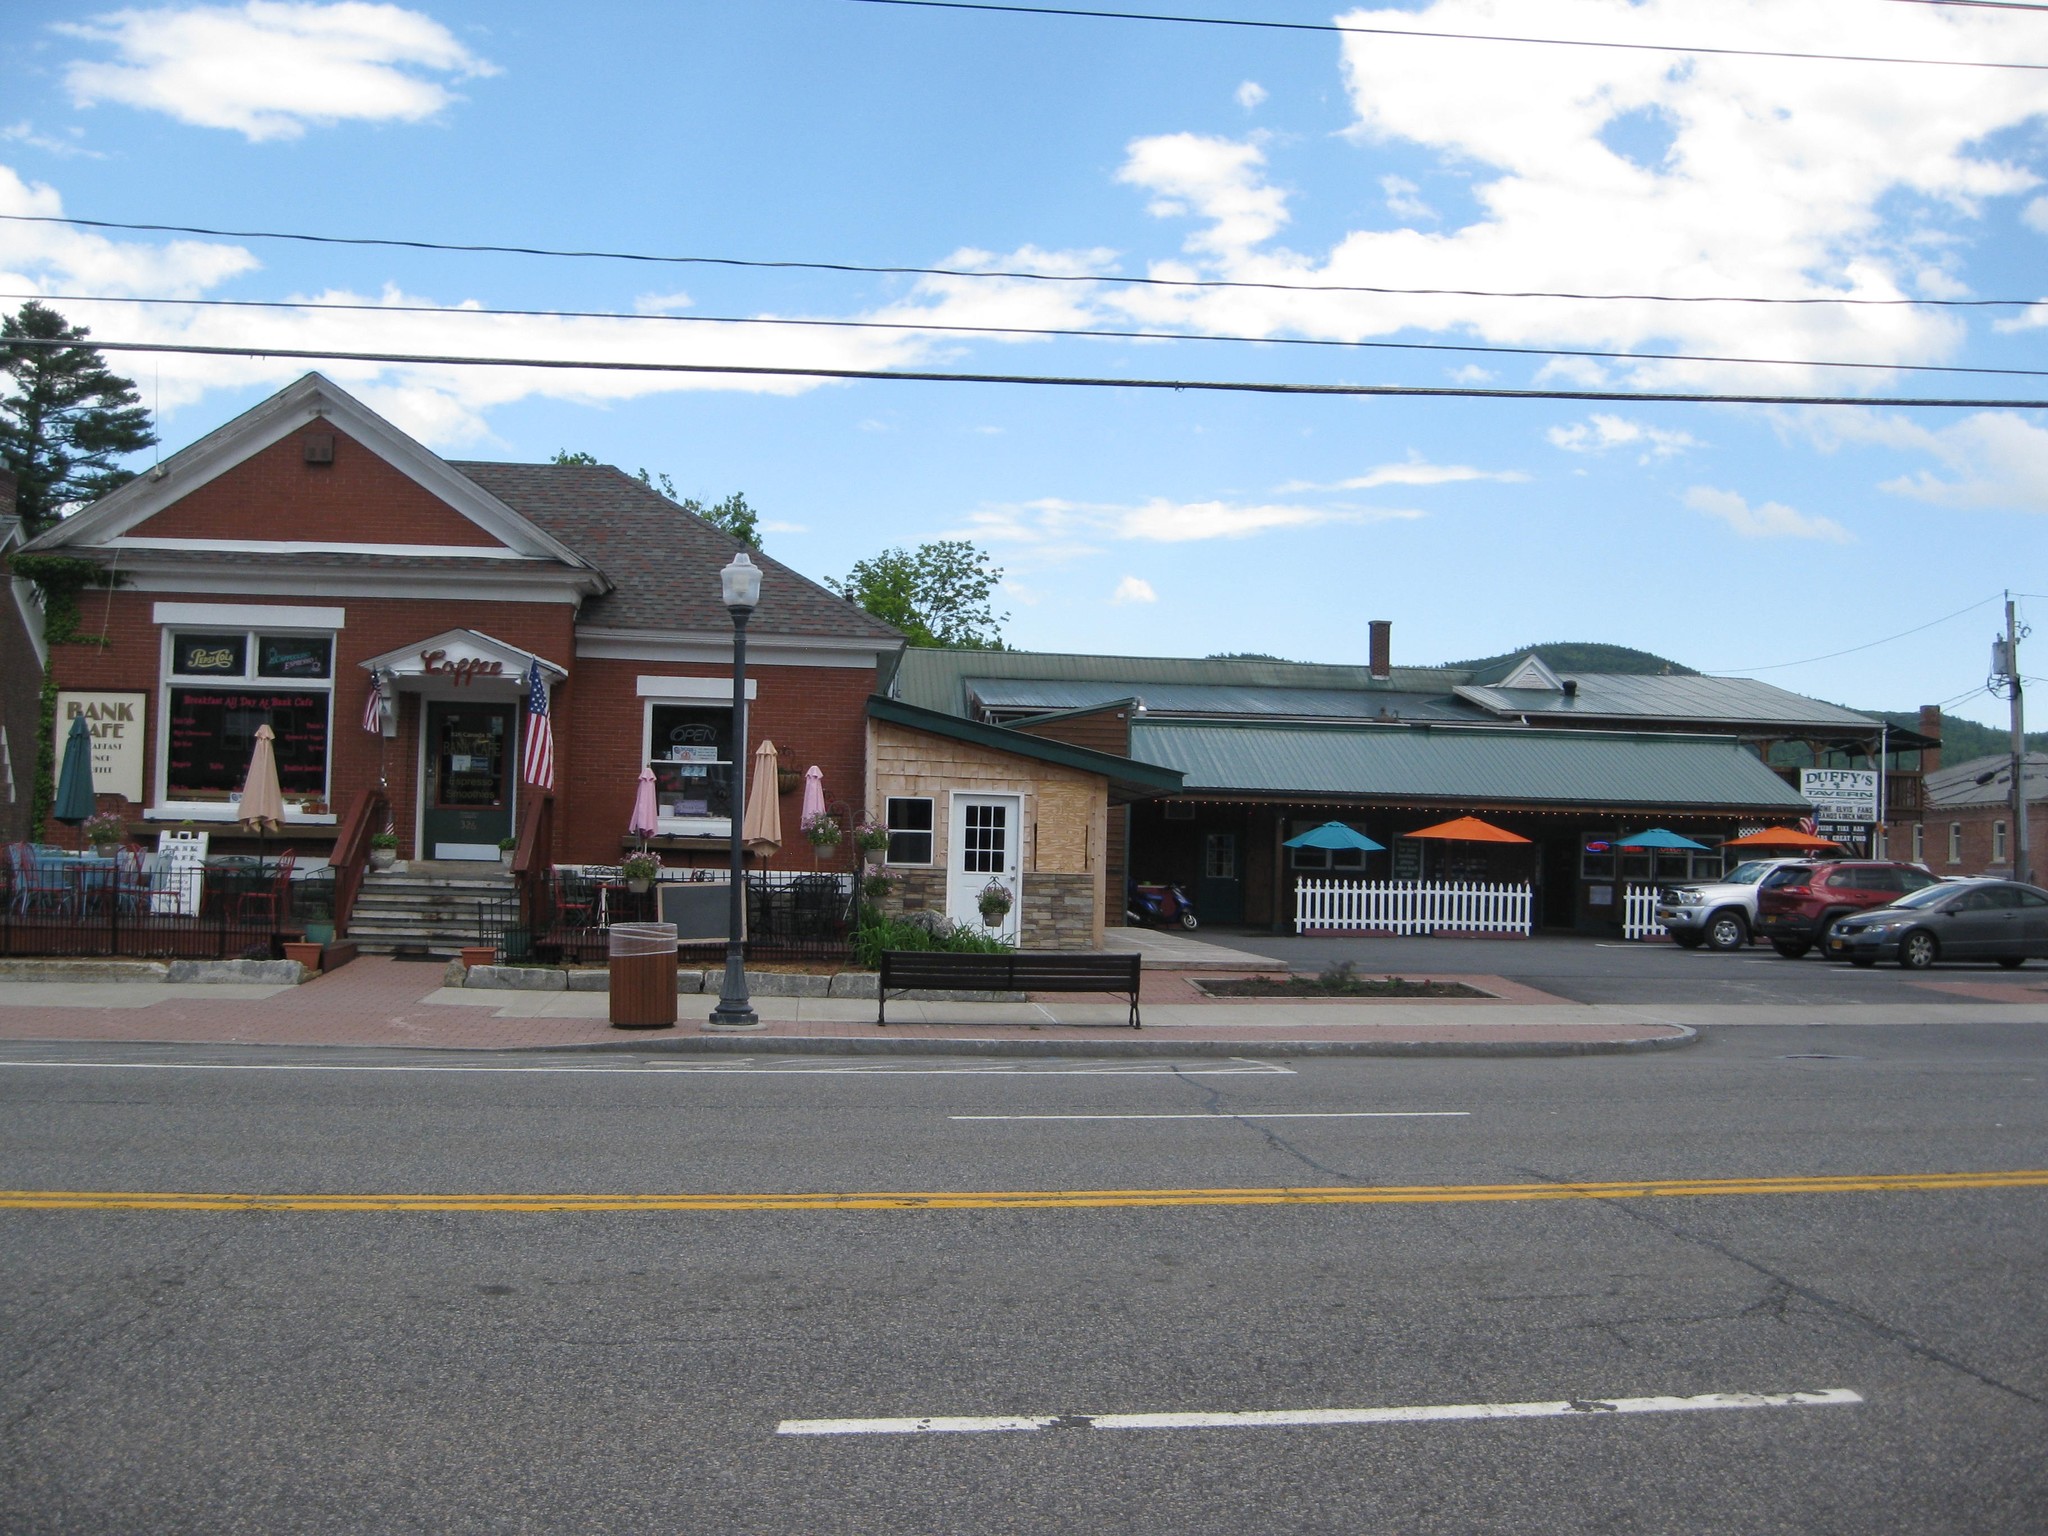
655	1069
1272	1418
1253	1114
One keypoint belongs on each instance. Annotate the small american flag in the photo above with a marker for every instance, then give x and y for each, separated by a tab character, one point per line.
540	732
373	706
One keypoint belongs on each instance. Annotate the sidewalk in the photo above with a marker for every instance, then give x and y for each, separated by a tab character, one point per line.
384	1002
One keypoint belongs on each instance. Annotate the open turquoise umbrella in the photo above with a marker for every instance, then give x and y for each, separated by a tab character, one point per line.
75	799
1657	837
1334	834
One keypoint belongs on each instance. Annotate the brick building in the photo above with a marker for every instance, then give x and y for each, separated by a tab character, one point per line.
271	570
1967	829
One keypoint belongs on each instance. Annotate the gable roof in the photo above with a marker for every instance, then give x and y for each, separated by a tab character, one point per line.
663	562
1985	781
1128	778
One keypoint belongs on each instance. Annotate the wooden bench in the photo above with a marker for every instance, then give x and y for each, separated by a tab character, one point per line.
912	970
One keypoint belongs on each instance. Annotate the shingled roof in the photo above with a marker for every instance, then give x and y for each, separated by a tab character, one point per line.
663	562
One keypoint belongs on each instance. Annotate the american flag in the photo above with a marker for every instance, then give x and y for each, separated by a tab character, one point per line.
373	706
540	732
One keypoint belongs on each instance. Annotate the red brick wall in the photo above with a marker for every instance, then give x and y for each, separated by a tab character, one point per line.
1976	822
812	714
275	494
131	660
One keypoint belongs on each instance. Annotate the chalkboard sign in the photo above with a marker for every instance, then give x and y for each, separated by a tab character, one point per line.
1407	859
699	909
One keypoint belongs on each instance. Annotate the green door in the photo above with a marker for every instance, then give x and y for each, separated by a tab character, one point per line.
468	793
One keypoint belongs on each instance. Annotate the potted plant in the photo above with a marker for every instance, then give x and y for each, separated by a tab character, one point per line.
383	849
878	885
870	838
994	902
105	831
823	832
639	871
507	846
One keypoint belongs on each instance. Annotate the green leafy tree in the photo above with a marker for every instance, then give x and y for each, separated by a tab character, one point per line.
65	419
732	514
937	594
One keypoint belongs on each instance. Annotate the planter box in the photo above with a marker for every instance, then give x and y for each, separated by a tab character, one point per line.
307	954
479	954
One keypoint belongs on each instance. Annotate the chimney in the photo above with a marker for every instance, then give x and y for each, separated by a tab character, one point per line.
1930	725
1380	657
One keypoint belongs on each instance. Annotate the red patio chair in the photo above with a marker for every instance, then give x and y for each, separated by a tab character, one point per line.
274	901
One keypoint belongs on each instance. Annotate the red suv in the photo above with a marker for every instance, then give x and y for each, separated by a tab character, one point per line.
1797	905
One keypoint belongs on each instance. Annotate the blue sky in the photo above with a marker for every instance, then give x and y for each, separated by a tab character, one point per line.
1728	537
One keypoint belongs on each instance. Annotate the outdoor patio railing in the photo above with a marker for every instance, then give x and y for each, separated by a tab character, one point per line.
105	909
792	915
1410	906
1639	913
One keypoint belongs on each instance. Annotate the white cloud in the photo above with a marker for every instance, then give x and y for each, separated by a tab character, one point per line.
267	68
1412	472
1402	201
1780	178
2035	214
24	132
1251	95
1994	459
1772	520
772	526
1134	589
1601	432
1052	529
1472	373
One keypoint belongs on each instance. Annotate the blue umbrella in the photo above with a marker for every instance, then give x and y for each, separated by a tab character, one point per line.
75	799
1657	837
1334	834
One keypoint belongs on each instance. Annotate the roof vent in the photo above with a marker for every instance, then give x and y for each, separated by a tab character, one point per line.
1571	687
319	447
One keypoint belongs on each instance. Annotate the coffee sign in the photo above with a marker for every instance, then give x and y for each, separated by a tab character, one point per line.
458	669
115	721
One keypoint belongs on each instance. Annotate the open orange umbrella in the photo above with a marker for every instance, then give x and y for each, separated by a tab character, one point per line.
1781	837
1468	829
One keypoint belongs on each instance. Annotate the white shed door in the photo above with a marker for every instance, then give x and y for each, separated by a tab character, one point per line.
983	847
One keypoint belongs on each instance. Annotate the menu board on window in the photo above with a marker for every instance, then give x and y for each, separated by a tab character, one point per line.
212	733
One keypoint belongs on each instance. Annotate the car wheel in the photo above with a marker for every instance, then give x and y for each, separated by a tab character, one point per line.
1918	950
1686	938
1726	930
1790	949
2013	962
1187	919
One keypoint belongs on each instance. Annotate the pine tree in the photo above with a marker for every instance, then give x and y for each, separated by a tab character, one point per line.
66	418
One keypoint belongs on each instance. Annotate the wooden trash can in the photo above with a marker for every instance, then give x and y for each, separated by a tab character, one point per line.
643	975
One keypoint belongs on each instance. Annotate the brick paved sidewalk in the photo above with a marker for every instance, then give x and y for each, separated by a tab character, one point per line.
383	1002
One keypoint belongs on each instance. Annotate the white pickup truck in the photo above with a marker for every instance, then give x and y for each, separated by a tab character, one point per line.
1720	914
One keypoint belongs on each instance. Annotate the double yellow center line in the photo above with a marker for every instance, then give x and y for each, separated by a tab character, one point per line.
1020	1199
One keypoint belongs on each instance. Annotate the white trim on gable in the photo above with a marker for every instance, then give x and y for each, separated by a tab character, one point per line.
1530	672
249	615
410	663
309	398
287	548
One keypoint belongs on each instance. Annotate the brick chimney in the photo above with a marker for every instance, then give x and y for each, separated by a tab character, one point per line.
1380	657
1930	725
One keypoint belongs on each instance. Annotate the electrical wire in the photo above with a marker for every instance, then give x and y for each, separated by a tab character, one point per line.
1980	5
935	328
1221	386
1779	666
1464	37
861	269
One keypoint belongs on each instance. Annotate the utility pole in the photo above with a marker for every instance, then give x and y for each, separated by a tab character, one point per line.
2006	656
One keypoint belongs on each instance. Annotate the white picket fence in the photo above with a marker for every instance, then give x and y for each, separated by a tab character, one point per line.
1639	913
1410	906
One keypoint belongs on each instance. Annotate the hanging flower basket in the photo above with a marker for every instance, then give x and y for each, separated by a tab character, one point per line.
639	871
788	781
994	902
823	832
104	829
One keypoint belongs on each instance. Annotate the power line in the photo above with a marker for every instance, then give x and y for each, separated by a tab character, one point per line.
1463	37
1225	386
1980	5
1779	666
1025	330
861	269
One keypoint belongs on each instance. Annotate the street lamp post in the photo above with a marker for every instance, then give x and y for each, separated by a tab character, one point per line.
742	583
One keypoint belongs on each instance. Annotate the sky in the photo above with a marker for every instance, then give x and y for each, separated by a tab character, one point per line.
1230	192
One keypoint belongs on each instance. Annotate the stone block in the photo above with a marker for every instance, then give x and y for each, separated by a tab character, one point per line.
853	984
274	973
517	978
589	981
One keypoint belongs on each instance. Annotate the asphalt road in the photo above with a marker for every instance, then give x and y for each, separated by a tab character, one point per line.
414	1369
1611	971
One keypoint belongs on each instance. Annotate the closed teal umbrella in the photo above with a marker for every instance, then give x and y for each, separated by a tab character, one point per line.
75	799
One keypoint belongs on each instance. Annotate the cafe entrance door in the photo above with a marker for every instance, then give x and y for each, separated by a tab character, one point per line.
466	794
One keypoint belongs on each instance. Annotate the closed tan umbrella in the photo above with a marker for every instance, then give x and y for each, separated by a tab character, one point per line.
761	831
262	802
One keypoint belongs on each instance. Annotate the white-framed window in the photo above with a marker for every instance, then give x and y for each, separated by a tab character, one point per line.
1955	842
688	744
1998	842
219	685
1919	843
909	822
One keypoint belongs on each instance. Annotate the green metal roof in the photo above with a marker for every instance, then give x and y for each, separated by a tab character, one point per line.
1130	778
1711	701
1466	765
1016	694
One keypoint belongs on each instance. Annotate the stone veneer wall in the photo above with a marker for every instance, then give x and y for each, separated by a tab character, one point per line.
1059	912
916	890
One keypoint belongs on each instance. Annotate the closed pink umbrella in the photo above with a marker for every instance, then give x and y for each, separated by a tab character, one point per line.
814	796
641	823
761	831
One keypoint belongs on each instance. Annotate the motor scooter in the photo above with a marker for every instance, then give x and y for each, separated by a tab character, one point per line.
1159	905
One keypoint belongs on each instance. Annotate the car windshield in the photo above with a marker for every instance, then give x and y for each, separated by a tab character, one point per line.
1747	873
1928	896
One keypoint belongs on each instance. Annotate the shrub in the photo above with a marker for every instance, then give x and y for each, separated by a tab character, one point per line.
877	933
